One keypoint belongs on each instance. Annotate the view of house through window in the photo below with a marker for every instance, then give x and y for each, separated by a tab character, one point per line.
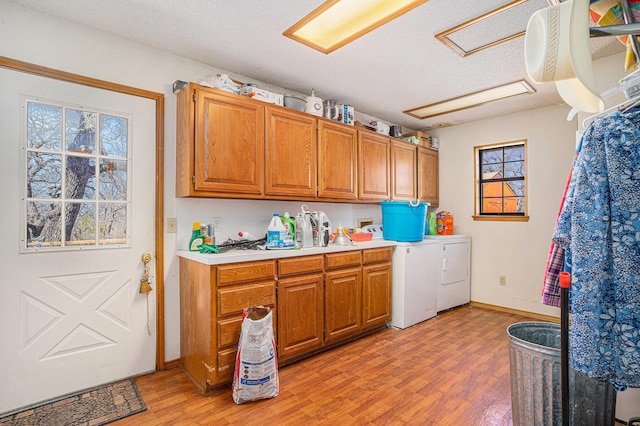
76	177
501	179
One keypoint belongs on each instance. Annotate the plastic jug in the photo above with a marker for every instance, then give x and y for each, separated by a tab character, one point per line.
196	237
275	232
290	228
431	224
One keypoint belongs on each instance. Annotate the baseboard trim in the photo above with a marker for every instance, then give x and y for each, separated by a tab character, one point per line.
168	365
533	315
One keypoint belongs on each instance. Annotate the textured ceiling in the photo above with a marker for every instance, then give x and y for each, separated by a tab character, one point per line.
397	67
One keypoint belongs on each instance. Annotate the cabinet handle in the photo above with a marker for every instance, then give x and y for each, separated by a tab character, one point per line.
444	264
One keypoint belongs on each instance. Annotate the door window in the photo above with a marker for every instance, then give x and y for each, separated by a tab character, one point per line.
77	177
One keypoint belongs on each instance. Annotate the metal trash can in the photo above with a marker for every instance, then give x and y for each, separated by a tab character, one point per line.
534	353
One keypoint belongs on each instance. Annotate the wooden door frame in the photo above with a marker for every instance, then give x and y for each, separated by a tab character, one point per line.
38	70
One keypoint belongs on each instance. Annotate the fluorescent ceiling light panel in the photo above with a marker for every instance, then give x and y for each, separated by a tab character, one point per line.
471	100
338	22
489	29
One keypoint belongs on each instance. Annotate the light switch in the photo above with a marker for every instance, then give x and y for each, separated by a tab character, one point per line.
172	225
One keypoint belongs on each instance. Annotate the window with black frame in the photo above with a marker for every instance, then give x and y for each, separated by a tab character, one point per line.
501	181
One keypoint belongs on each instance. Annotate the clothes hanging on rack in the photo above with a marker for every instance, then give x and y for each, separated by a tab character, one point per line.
599	227
555	264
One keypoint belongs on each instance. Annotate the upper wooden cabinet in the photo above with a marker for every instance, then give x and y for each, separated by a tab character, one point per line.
338	164
428	175
220	144
231	146
374	165
403	171
291	156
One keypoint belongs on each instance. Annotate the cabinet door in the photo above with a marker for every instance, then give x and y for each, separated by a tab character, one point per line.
343	304
376	293
428	175
337	162
300	315
403	166
374	180
229	144
290	167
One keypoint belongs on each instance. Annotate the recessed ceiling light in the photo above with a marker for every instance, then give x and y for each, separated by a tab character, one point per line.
338	22
471	100
490	29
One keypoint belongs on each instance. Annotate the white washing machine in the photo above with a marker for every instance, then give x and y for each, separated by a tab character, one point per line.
454	270
415	283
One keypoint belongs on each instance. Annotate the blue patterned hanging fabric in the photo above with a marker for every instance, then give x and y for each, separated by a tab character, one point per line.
599	227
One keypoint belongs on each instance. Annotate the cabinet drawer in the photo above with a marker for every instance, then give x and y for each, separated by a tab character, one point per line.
229	331
234	299
376	255
297	265
340	260
226	364
250	271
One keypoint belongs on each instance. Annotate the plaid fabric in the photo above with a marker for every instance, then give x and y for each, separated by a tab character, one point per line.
555	265
555	261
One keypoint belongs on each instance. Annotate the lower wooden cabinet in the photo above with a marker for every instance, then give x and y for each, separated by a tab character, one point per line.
211	303
343	305
301	306
376	287
318	301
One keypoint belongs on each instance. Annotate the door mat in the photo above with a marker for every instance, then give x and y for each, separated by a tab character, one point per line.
97	406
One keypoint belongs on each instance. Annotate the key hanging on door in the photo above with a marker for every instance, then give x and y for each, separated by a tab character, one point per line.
145	282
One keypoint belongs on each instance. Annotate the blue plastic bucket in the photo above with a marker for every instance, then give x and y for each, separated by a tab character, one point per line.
403	221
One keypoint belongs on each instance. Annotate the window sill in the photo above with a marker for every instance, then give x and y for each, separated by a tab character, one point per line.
501	218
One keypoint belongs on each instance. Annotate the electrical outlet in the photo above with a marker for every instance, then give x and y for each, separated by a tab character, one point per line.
217	223
502	280
172	225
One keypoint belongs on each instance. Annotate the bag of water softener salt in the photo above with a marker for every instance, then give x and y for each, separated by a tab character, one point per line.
256	371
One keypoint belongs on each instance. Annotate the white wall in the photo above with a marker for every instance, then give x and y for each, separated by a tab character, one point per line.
517	250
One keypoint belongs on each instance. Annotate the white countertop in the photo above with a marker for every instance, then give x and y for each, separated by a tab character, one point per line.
233	256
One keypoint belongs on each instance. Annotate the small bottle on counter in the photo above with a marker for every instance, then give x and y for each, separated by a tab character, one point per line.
298	229
246	236
210	238
196	237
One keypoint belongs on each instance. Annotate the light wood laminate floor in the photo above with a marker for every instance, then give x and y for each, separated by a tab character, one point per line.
450	370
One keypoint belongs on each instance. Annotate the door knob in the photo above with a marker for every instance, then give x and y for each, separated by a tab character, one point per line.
145	282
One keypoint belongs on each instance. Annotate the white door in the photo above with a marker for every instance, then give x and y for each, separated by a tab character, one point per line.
71	313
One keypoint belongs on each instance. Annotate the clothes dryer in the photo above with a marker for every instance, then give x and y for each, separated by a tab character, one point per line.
454	270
